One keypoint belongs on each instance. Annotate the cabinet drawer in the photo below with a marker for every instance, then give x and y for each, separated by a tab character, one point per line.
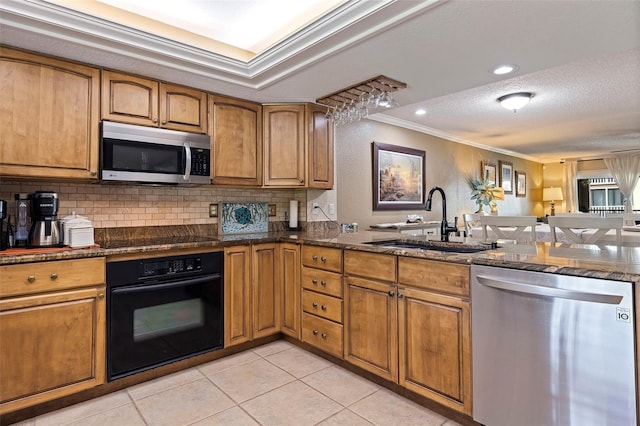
371	265
432	275
322	281
28	278
322	333
322	305
326	258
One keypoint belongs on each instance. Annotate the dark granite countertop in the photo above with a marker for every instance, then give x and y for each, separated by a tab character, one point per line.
607	262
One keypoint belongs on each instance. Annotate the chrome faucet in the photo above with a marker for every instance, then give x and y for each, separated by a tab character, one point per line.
444	227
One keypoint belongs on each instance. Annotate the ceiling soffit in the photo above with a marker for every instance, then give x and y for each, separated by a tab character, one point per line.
353	21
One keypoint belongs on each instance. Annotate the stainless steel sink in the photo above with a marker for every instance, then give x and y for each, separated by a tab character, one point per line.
454	247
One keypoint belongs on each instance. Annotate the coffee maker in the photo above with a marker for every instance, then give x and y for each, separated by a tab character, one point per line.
45	228
4	228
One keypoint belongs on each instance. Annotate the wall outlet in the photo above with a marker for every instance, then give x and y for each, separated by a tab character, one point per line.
332	208
213	210
314	208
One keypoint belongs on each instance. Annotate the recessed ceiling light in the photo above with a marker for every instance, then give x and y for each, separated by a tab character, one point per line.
504	69
421	111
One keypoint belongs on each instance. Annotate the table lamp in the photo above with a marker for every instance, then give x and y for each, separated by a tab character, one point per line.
552	194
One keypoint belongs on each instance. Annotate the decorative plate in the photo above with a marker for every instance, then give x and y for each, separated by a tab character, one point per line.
240	218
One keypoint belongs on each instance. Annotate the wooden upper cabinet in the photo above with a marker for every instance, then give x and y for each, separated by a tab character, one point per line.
236	130
320	148
136	100
49	113
284	145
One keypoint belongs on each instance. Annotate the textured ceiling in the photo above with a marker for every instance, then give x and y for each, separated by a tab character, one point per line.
580	58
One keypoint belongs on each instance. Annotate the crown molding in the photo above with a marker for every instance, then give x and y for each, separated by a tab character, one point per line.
383	118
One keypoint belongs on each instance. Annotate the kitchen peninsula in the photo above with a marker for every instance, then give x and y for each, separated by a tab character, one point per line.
296	258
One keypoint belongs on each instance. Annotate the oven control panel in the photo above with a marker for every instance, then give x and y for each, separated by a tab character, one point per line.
155	268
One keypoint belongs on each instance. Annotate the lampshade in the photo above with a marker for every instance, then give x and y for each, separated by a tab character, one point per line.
498	193
515	101
552	194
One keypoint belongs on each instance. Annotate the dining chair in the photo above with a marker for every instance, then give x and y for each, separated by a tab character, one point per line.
578	229
471	220
509	227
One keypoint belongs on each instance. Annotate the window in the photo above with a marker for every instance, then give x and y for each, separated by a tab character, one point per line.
601	195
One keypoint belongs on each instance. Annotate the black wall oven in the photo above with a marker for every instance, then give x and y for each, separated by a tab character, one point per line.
161	310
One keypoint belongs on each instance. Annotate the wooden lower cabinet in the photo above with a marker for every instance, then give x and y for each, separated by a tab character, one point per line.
370	337
266	298
289	263
434	347
52	343
237	295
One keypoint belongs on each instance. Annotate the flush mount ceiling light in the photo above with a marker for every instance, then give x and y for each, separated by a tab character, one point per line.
515	101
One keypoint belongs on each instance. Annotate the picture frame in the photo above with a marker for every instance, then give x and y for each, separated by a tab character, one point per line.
506	176
488	171
398	177
521	184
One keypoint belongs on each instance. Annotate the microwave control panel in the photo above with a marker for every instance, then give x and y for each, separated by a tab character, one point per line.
200	159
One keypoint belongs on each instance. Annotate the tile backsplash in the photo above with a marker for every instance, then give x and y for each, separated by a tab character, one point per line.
111	206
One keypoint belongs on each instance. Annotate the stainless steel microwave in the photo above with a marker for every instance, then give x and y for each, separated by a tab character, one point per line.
130	153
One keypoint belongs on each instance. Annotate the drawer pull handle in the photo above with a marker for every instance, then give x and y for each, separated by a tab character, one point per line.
31	278
315	332
314	304
324	259
323	282
314	281
324	335
391	293
101	296
323	307
314	257
54	276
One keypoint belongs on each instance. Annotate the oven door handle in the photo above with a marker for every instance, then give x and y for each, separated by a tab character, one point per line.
160	286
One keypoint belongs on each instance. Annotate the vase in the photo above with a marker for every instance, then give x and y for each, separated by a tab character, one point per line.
480	210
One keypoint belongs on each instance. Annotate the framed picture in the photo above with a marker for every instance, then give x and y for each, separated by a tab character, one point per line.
506	176
398	177
521	184
489	171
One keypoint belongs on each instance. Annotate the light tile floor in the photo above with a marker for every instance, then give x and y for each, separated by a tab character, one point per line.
276	384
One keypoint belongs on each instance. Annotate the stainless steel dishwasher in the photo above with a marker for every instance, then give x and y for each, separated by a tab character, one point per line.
552	349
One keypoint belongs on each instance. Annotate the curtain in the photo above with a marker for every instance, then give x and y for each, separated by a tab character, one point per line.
570	186
626	171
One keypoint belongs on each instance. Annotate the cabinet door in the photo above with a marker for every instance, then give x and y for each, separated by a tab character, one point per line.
266	296
236	130
289	261
52	345
183	108
370	333
435	347
49	115
237	295
129	99
320	148
284	153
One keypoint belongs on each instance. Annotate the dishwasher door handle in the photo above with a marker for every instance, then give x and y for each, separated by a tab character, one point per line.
537	290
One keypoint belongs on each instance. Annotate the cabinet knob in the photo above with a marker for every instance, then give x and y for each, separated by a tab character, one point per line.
101	296
323	282
164	121
314	257
31	278
400	295
314	281
155	120
54	276
391	293
323	307
301	180
93	172
323	259
323	335
314	304
315	332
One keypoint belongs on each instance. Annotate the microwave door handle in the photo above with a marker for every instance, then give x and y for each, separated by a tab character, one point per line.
187	168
